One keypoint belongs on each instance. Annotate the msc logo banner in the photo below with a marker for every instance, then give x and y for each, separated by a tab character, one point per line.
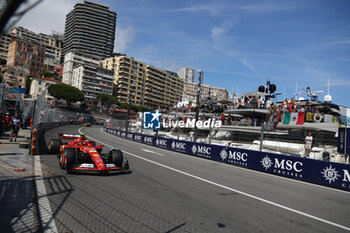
151	120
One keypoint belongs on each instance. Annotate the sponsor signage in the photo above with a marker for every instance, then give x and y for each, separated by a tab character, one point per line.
130	136
282	165
152	120
138	138
325	173
234	156
344	140
17	90
179	146
192	123
148	140
163	143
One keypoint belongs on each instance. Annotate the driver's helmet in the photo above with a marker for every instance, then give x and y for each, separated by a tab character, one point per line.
82	136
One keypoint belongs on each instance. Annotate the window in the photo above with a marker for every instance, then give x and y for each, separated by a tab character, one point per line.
39	82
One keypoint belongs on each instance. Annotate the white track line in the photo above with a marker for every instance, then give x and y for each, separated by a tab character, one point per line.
153	152
237	191
47	220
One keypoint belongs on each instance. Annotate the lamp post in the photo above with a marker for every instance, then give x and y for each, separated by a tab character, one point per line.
127	116
200	79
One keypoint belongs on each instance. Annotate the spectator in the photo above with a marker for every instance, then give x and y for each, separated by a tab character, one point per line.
268	103
25	122
243	121
262	104
254	102
308	144
15	121
7	121
249	121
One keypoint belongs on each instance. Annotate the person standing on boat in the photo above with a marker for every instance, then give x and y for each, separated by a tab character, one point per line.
308	144
268	103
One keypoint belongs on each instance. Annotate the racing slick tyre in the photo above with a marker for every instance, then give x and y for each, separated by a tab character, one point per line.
54	146
116	157
68	158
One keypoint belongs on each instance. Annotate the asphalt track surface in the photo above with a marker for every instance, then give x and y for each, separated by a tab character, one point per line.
173	192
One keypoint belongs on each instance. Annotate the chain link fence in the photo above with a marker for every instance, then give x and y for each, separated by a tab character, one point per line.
44	113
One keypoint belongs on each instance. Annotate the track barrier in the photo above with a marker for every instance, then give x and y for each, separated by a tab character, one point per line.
330	174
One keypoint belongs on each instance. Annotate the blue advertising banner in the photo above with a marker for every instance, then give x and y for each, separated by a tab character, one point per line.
344	140
17	90
325	173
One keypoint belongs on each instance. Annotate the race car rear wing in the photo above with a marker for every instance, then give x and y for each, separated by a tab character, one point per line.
69	136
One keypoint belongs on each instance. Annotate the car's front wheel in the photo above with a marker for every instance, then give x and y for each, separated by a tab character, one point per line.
54	146
68	158
116	157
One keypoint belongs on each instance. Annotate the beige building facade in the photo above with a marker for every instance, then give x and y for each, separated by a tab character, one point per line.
15	77
144	84
191	90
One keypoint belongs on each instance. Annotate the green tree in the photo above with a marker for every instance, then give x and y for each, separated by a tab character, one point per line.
139	108
66	92
47	74
107	100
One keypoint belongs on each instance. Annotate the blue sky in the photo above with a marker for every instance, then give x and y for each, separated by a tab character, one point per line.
238	44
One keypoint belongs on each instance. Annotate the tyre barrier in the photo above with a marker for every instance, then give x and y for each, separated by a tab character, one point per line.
325	173
33	146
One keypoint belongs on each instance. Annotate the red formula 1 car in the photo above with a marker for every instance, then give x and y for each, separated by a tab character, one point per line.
80	154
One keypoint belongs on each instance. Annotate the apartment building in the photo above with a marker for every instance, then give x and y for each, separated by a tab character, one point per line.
90	27
38	85
52	43
28	54
92	80
144	84
74	59
187	74
16	77
4	46
191	90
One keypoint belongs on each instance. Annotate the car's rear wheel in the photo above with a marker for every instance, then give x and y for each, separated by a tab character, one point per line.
54	146
116	157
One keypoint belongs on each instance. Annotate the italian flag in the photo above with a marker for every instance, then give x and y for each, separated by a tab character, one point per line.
294	118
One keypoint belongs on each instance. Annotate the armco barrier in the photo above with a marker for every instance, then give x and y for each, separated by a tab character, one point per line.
335	175
41	147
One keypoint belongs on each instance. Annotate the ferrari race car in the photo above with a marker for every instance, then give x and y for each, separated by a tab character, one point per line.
80	154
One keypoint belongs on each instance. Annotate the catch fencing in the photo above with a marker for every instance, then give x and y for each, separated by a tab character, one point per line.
44	113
